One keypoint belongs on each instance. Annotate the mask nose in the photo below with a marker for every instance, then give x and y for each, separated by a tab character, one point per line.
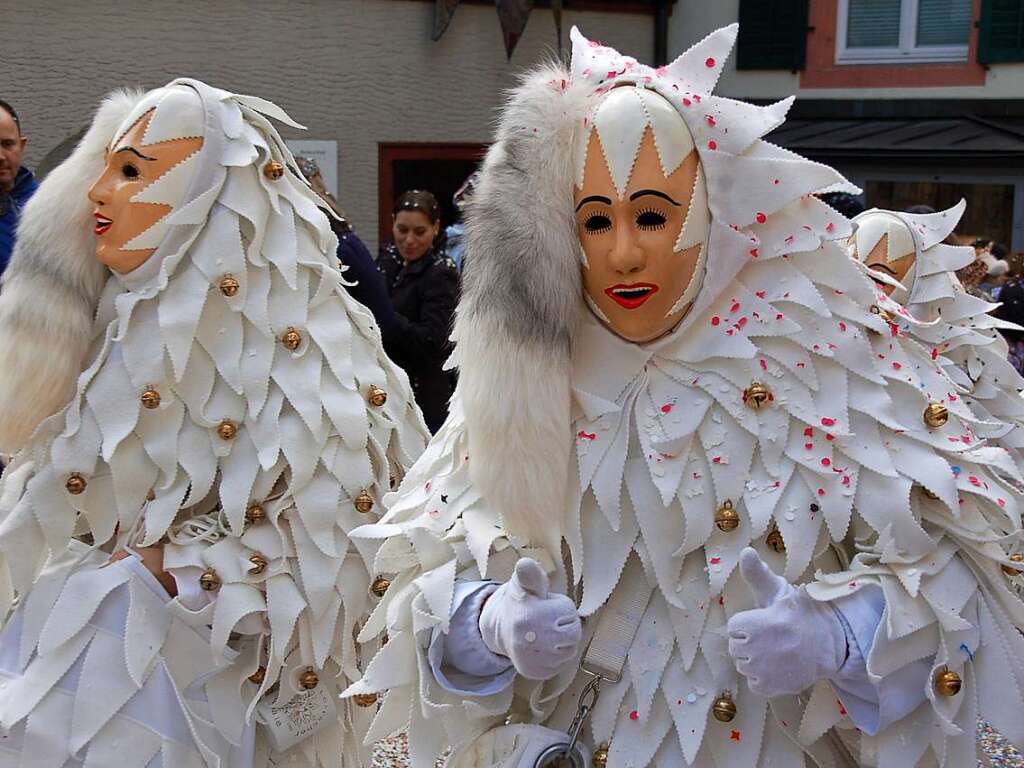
627	257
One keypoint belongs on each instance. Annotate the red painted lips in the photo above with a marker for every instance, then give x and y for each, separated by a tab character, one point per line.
631	295
102	224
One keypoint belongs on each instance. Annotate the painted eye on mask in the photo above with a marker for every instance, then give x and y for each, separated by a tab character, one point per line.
597	223
129	171
650	220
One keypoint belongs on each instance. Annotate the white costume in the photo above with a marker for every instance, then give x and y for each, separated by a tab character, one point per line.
931	305
781	413
236	407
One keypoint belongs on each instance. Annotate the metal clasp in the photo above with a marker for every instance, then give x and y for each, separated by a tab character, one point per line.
568	755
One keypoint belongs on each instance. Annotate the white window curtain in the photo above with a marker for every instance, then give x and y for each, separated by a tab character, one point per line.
903	31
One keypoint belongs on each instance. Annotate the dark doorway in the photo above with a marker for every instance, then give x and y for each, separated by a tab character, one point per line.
437	168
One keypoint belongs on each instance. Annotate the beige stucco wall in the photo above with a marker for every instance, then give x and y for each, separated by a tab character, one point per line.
358	71
691	21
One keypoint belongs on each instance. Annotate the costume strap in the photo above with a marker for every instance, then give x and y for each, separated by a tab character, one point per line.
618	624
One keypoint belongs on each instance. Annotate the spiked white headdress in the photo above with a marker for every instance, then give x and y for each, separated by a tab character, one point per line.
515	332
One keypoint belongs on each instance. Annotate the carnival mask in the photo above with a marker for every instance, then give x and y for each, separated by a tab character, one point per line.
884	244
145	179
642	215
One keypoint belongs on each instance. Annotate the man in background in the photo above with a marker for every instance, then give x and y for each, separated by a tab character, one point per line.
16	182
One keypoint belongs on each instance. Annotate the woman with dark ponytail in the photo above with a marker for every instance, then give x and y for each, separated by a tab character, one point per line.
424	285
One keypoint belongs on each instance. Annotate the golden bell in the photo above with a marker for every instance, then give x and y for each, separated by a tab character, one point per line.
258	676
882	314
724	709
150	399
757	396
775	541
227	430
291	339
364	502
377	396
935	415
273	171
1010	570
600	758
947	683
228	285
259	564
75	484
255	513
727	518
309	679
365	699
380	586
209	580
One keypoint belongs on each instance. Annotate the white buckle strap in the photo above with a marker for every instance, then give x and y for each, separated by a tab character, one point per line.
618	624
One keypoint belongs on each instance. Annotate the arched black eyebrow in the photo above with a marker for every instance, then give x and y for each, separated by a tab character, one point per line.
134	151
656	193
593	199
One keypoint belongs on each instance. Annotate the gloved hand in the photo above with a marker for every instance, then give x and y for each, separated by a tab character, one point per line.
790	641
537	631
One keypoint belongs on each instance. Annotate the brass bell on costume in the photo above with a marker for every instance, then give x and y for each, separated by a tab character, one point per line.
150	399
377	396
600	758
309	679
363	502
227	430
259	564
935	415
1009	570
255	513
291	339
775	541
273	170
75	484
724	709
380	586
209	580
726	517
757	396
365	699
258	676
228	285
947	683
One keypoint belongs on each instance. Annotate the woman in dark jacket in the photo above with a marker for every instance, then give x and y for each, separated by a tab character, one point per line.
424	286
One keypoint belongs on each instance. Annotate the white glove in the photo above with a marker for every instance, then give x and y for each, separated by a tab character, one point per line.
538	632
790	641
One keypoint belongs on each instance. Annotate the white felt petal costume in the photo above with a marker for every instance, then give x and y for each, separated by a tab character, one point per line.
837	480
229	411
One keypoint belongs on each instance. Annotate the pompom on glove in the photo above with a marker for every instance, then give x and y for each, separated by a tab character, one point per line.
790	641
539	632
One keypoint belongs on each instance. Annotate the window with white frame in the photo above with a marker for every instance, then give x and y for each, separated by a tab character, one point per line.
902	31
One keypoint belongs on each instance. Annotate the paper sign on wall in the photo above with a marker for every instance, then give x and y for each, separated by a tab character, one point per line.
325	153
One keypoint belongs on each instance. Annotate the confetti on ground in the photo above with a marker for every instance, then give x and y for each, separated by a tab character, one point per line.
999	753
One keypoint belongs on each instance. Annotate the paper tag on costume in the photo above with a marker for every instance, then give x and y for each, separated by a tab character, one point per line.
308	712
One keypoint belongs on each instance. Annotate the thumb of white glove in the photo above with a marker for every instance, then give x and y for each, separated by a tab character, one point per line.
790	641
539	632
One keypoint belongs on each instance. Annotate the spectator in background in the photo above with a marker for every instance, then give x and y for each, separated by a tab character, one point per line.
16	182
367	283
993	255
424	285
456	233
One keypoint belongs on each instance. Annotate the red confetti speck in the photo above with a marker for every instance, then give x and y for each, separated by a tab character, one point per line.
761	217
808	431
827	422
709	63
711	120
935	353
760	294
735	307
896	366
809	446
842	326
776	181
764	364
821	491
634	715
667	407
735	736
778	316
789	239
715	320
829	227
846	480
753	252
842	709
741	322
686	102
715	560
1001	502
716	460
826	462
830	437
712	144
587	435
